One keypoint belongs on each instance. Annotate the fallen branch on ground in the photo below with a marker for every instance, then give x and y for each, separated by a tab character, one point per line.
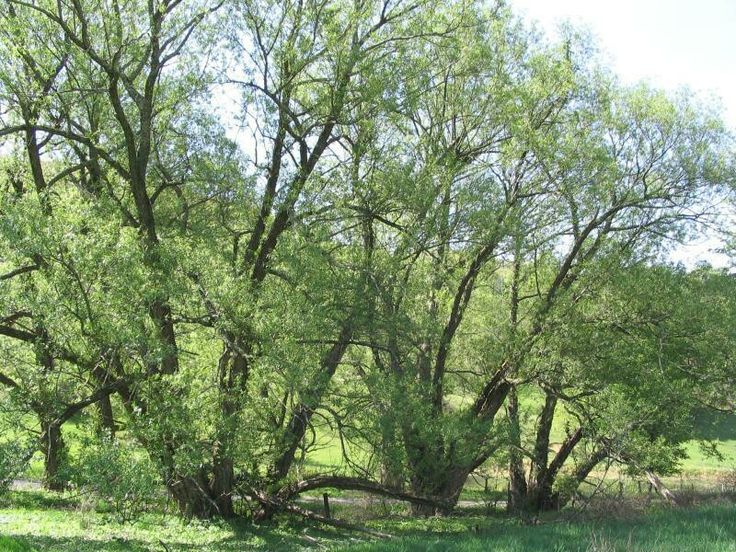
334	522
354	484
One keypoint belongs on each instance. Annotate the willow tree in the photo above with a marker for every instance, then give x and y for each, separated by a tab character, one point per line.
174	244
395	157
536	169
618	380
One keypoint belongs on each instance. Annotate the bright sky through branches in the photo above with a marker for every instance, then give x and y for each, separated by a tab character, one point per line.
668	43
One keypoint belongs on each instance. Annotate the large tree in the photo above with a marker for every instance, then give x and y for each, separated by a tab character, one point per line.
572	170
624	371
170	241
393	160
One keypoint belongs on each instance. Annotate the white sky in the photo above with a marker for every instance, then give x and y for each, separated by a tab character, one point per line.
668	43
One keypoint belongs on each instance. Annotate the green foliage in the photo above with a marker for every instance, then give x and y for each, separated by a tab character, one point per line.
14	456
120	474
432	205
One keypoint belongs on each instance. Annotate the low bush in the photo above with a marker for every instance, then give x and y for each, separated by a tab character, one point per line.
114	472
13	461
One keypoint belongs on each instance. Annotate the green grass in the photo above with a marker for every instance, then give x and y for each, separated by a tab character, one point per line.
711	528
39	521
717	428
8	544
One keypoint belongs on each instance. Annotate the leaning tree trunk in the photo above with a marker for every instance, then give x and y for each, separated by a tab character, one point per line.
660	487
580	475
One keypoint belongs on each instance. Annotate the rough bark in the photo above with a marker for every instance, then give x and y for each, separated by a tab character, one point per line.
192	496
517	479
107	417
53	449
221	490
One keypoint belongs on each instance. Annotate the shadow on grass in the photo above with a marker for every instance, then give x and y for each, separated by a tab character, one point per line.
711	425
38	500
711	528
237	536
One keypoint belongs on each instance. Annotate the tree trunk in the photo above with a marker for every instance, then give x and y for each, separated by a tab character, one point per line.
517	480
441	481
541	498
540	457
391	475
54	453
223	479
428	473
664	492
192	496
107	418
310	400
580	474
209	493
542	473
424	485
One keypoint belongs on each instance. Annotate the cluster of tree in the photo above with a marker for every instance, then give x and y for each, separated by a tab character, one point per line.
436	233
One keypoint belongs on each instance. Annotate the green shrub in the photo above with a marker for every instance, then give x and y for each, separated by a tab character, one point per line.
117	473
13	460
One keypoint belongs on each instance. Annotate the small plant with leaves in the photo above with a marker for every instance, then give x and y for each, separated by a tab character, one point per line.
13	461
117	473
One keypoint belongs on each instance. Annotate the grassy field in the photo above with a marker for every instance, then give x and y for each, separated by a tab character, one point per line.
711	427
709	528
37	521
33	520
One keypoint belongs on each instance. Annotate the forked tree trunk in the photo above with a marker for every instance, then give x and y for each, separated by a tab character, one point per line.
205	495
191	495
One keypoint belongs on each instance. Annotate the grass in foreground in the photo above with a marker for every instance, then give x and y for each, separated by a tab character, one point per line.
707	528
37	521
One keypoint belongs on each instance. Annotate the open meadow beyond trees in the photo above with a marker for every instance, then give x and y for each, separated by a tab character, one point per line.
355	274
